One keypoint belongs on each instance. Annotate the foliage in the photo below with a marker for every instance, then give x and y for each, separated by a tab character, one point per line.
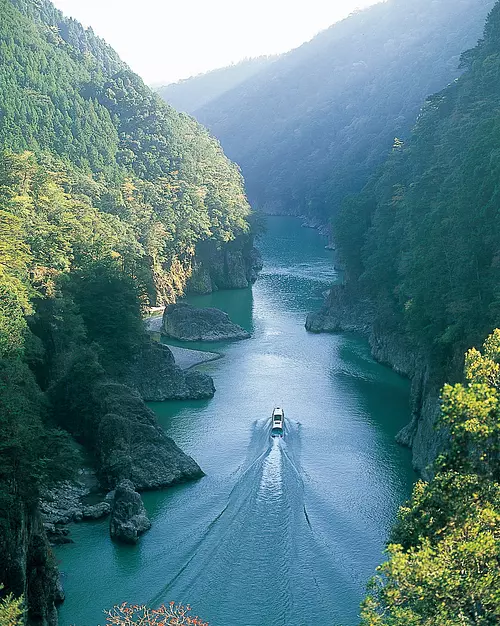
11	610
421	241
444	556
105	194
314	125
174	614
115	147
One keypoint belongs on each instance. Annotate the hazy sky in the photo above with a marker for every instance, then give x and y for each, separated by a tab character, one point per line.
164	40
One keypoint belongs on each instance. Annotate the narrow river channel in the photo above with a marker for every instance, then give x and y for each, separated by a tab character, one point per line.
279	532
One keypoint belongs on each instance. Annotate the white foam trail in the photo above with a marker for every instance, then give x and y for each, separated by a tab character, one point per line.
270	488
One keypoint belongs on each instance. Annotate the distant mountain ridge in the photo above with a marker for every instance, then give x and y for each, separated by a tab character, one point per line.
190	94
313	126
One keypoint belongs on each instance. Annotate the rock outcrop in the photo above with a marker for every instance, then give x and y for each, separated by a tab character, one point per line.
343	310
128	516
188	323
130	443
155	375
27	564
112	420
233	265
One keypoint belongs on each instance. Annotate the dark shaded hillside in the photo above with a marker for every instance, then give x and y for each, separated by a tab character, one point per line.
314	126
193	93
422	240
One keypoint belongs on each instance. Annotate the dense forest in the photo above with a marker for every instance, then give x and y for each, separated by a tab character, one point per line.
105	193
193	93
421	241
315	124
444	551
420	246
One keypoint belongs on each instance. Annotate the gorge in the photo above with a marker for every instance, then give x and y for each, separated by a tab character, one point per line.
143	471
307	521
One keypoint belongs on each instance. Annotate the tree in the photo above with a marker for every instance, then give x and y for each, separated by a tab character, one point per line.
444	556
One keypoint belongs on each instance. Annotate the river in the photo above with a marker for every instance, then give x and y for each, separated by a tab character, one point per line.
280	531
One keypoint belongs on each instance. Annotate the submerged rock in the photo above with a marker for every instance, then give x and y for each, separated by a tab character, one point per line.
188	323
128	517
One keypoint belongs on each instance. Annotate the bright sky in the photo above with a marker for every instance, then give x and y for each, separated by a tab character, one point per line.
165	40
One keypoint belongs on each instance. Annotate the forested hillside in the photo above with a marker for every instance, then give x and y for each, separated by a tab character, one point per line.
444	551
314	126
193	93
105	194
420	245
422	240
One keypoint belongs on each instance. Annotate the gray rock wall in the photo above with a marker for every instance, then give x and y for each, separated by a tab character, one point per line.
27	564
234	265
344	310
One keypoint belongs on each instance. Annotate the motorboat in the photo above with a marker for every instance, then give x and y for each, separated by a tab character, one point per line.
277	422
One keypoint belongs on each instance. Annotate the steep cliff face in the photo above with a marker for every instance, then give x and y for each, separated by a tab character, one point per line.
28	565
343	311
113	422
234	265
157	378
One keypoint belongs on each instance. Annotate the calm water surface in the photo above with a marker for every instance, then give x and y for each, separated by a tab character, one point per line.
280	531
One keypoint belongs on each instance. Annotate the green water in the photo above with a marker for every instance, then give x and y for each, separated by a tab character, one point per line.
280	531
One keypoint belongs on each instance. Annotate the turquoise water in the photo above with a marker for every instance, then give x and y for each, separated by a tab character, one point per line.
280	531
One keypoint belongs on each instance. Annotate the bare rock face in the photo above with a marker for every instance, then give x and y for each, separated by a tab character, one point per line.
131	444
27	565
96	511
156	377
188	323
345	310
128	517
123	434
234	265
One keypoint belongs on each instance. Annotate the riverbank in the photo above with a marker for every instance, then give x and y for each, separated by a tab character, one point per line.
345	310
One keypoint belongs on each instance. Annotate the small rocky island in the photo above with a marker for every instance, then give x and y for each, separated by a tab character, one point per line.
188	323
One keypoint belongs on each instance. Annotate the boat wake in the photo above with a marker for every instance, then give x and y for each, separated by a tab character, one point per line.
264	514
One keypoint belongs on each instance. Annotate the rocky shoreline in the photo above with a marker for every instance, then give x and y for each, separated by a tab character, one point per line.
345	311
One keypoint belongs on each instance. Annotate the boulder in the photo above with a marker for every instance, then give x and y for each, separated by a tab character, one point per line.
128	517
188	323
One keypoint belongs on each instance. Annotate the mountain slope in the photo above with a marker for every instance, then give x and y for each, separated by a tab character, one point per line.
193	93
420	243
313	126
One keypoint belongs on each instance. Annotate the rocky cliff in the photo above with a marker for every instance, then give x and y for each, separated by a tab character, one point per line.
112	420
234	265
155	375
344	310
28	565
